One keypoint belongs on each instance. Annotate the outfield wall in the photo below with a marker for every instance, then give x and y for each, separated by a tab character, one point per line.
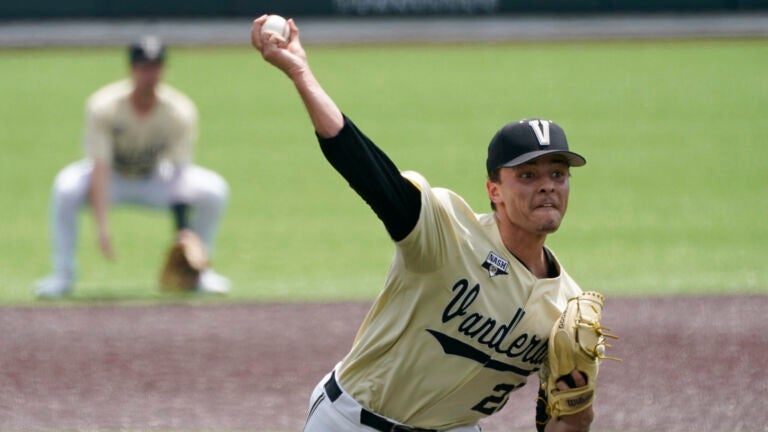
36	9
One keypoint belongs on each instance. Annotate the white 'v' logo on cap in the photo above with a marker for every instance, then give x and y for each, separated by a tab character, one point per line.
541	129
152	47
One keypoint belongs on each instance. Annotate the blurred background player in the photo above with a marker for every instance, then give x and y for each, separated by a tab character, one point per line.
469	300
138	143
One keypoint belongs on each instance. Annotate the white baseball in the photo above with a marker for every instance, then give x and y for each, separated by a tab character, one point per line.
278	25
600	349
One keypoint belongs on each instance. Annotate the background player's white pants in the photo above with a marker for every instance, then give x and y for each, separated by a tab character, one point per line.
204	190
341	415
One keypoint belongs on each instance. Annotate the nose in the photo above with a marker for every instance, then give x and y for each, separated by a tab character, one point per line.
547	185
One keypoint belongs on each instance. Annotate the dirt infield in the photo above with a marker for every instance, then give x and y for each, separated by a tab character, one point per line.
691	364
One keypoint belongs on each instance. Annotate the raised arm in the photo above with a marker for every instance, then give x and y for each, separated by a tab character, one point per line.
289	57
395	200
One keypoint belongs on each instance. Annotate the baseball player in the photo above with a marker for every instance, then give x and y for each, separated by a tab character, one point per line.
469	300
138	142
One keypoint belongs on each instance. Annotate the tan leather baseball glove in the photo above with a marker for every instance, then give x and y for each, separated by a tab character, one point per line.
577	341
185	260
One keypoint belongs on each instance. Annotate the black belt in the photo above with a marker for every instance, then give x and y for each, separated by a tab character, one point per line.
368	418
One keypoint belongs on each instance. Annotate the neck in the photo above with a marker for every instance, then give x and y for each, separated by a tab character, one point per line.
143	100
526	246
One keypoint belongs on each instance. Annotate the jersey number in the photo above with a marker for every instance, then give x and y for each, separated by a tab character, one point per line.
495	402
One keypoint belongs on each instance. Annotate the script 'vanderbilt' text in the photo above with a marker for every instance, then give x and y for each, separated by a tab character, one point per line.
491	332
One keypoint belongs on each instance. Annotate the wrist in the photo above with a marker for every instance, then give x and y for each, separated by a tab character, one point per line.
558	426
301	76
572	423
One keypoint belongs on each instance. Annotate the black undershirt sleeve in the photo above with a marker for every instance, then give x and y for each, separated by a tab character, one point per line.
542	418
394	199
180	213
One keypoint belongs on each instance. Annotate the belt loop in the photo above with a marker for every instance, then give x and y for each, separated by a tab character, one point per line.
332	388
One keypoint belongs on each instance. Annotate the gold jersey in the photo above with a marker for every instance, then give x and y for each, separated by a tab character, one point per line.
459	324
134	144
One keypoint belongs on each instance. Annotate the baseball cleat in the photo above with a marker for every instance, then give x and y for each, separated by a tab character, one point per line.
53	286
213	283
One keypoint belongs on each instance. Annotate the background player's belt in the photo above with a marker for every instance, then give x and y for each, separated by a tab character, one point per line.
368	418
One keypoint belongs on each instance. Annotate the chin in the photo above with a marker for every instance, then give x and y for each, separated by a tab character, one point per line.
549	227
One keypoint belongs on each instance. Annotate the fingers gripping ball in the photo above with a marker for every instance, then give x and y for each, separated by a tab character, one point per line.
277	25
186	260
577	342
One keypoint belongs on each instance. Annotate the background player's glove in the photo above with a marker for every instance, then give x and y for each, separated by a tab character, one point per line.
577	342
186	259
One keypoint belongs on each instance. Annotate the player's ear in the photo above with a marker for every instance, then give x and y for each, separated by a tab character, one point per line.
494	191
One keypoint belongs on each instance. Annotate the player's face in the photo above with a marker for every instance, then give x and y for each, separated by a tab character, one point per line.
147	75
534	196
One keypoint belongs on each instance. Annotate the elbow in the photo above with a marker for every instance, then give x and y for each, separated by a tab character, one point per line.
329	129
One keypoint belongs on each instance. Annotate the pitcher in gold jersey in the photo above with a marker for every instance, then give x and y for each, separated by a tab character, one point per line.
467	307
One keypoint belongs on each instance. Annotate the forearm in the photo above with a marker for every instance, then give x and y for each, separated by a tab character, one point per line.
323	112
99	194
289	57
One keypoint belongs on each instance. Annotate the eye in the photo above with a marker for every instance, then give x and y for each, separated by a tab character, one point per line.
526	175
559	174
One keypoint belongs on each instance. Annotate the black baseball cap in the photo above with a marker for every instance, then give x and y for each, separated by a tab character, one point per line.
148	49
525	140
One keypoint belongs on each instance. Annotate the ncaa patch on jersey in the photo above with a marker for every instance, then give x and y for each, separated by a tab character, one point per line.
495	265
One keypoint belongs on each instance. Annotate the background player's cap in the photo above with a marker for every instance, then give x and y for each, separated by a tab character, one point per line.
522	141
148	49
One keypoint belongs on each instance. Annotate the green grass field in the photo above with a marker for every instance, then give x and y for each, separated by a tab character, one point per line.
673	200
